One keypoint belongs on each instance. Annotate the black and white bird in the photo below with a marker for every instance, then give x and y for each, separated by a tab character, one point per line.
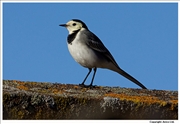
88	50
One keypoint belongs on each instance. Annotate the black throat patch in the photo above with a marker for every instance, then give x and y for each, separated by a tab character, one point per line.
72	36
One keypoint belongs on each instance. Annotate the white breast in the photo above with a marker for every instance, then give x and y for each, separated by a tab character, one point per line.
82	53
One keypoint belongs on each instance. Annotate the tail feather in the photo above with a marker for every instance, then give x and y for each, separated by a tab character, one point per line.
123	73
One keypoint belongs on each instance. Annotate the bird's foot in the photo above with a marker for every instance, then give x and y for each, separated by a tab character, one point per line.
87	86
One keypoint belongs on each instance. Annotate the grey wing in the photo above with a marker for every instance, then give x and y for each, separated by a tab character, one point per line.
95	43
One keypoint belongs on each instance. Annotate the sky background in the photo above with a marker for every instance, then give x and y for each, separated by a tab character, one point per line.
142	37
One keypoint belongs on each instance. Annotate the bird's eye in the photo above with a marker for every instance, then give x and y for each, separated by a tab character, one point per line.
74	24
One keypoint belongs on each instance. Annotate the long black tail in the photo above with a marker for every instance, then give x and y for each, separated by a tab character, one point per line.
123	73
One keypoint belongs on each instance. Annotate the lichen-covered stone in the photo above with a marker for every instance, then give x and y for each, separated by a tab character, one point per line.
38	100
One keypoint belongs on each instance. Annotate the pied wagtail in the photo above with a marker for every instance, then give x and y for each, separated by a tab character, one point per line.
88	50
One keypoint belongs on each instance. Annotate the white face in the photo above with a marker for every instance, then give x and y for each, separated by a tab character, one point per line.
73	26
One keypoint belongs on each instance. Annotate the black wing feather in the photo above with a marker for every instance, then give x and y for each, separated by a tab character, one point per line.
96	44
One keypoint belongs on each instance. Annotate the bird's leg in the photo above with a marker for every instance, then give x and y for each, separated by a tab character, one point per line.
90	69
93	77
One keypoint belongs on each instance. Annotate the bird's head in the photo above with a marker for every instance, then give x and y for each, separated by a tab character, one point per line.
74	25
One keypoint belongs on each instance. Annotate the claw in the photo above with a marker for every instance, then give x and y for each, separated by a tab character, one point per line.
87	86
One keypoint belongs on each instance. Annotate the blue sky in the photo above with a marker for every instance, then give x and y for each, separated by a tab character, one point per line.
142	37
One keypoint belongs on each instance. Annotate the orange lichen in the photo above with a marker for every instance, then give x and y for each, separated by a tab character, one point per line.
145	99
14	81
20	83
21	87
148	100
56	91
76	87
174	103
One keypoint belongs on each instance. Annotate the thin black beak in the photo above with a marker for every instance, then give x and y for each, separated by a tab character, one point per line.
63	25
